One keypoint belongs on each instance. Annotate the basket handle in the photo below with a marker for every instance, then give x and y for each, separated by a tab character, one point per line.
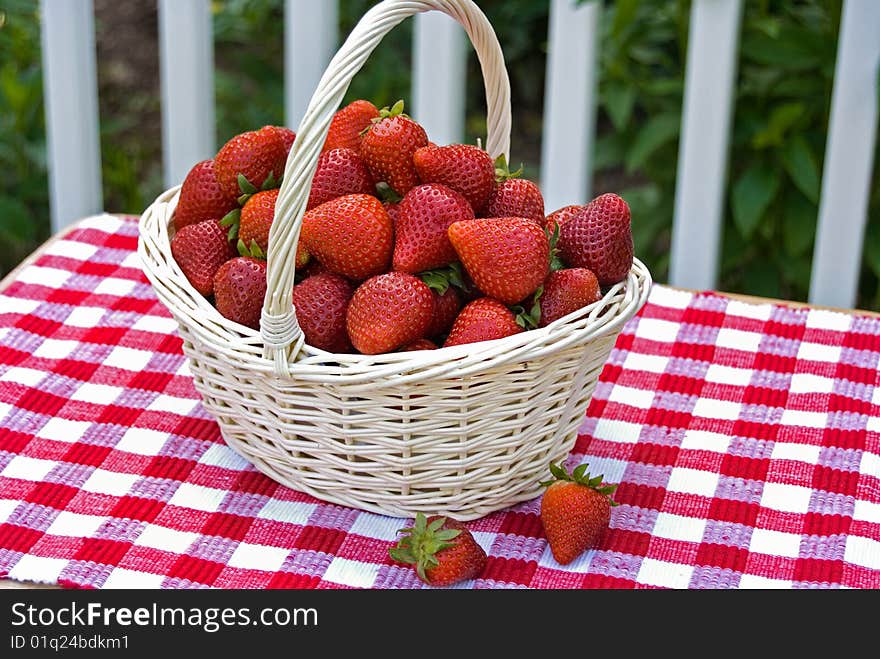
281	334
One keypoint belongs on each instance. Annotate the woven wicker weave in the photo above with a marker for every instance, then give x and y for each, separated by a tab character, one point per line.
461	431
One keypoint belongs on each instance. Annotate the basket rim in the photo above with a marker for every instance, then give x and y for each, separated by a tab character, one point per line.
194	311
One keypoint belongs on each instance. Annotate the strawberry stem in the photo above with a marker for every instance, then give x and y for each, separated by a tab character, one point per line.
581	476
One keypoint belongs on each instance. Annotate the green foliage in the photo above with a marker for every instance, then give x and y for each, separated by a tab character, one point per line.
24	208
783	94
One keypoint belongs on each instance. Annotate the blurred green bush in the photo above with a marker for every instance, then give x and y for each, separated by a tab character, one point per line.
782	103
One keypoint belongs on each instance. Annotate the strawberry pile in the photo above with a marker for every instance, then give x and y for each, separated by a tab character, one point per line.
404	245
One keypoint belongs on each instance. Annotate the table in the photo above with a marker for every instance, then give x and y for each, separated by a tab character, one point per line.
745	438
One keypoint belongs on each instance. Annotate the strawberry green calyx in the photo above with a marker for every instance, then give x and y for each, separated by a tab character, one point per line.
556	262
387	193
529	319
395	110
250	250
232	220
502	170
581	476
248	189
440	279
422	542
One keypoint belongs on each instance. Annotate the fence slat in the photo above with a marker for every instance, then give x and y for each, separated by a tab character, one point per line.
849	156
186	57
438	83
71	98
705	129
569	103
310	40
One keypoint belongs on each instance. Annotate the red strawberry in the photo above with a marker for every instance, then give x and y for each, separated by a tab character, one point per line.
443	551
255	154
389	311
239	290
507	257
463	167
600	238
566	291
287	137
483	319
446	308
388	147
339	172
347	125
351	235
421	240
200	249
516	197
393	209
419	344
575	510
201	197
256	220
560	217
321	302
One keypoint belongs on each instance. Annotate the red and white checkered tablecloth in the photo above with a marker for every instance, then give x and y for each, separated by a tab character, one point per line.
745	439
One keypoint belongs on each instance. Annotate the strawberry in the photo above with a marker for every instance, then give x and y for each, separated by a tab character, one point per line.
424	215
393	210
321	302
339	172
256	155
351	235
560	216
600	238
239	290
575	510
566	291
200	249
256	220
347	125
443	551
201	197
419	344
482	319
507	257
389	311
388	146
516	197
446	308
465	168
287	137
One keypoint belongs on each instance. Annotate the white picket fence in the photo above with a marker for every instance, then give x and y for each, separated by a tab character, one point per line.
437	101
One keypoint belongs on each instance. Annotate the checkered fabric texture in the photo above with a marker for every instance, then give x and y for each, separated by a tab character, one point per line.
745	440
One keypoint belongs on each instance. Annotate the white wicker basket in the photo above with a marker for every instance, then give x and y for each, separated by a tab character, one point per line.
461	431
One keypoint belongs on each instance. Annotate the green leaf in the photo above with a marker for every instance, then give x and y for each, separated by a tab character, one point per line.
798	224
781	119
752	194
655	133
624	15
797	157
619	100
231	218
16	225
795	49
872	248
610	150
579	471
246	186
